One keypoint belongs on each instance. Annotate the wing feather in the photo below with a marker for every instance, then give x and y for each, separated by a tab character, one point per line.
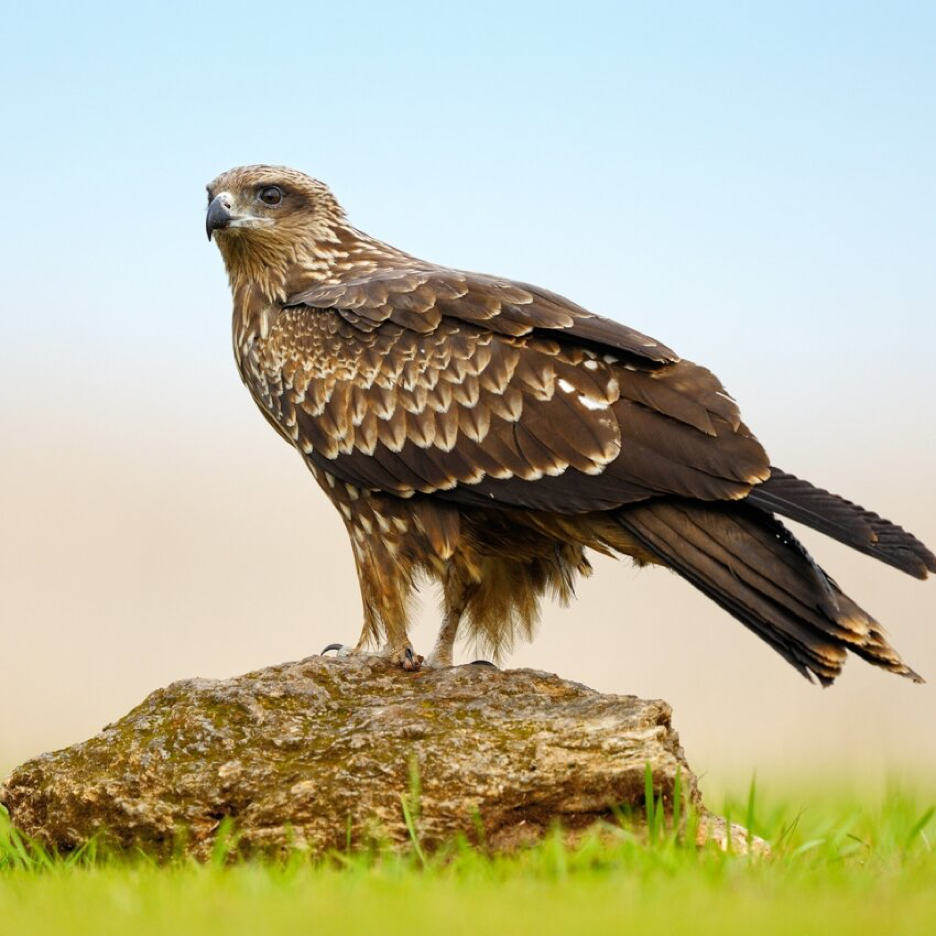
418	297
477	415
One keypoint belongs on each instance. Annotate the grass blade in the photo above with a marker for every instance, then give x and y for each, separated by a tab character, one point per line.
918	827
649	803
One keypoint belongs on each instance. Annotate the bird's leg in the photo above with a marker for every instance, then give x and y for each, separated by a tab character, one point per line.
457	592
385	588
442	651
397	647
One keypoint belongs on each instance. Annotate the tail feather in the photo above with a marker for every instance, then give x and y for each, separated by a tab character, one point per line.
753	567
828	513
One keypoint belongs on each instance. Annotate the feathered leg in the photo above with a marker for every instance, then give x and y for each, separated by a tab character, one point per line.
456	592
385	576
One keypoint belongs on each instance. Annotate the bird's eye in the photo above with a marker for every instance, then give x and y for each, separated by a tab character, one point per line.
270	194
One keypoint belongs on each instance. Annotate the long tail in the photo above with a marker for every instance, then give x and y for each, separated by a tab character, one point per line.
861	529
750	564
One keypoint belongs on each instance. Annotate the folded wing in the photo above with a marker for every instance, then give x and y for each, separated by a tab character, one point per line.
484	391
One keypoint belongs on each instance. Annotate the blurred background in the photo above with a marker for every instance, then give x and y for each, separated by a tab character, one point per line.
753	184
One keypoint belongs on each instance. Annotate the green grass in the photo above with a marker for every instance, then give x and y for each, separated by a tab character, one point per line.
845	865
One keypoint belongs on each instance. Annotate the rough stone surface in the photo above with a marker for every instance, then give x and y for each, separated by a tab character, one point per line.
321	751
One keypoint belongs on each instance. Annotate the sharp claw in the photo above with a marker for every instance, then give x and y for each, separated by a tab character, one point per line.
482	663
411	662
338	647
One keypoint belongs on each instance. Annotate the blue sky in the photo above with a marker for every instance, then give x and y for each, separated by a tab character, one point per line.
765	167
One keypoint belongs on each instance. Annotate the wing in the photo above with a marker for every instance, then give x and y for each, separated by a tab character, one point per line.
419	298
411	396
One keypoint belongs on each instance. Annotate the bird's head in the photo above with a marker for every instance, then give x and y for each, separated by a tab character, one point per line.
272	225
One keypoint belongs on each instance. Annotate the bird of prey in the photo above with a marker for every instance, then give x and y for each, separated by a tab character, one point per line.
486	434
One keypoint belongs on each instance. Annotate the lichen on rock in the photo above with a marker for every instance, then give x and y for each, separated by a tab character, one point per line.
311	753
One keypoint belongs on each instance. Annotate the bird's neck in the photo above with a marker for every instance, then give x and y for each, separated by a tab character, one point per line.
277	272
263	277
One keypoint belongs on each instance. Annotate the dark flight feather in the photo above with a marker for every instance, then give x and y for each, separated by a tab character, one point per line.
850	524
757	571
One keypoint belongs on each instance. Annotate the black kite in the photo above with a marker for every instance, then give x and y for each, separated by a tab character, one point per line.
486	433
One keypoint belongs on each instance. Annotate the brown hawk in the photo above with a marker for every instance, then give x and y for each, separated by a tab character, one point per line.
486	433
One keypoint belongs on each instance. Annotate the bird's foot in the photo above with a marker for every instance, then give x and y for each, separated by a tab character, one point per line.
341	650
405	658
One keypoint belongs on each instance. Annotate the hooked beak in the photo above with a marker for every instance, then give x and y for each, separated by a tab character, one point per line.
219	214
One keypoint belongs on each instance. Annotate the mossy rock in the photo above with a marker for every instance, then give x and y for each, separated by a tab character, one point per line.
316	753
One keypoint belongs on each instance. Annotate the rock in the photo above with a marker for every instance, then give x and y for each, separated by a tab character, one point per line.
324	752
